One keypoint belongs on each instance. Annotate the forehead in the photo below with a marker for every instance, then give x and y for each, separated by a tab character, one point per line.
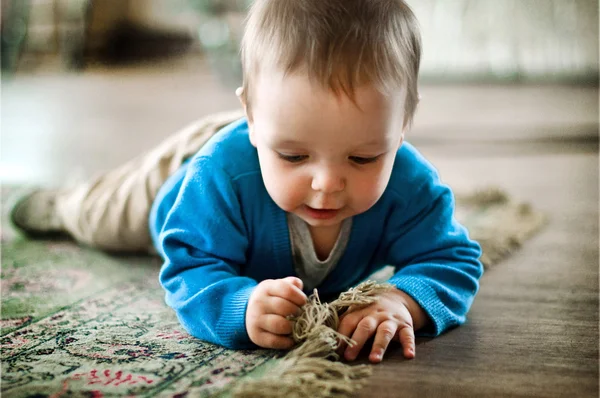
293	108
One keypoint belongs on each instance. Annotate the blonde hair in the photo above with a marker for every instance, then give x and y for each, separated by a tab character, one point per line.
341	44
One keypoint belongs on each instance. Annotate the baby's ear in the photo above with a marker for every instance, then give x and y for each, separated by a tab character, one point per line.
239	93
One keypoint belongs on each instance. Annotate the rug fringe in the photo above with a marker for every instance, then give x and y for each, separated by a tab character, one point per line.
498	240
310	369
306	378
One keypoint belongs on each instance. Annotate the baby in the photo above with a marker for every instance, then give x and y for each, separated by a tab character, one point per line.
314	187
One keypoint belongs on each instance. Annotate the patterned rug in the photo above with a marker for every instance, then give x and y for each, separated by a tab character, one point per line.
81	323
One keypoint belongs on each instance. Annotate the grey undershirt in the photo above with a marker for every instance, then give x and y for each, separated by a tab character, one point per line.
308	267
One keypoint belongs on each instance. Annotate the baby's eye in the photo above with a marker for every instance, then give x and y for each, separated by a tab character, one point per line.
361	160
292	158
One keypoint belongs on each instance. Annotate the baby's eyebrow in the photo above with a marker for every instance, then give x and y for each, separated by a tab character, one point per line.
293	143
288	142
374	143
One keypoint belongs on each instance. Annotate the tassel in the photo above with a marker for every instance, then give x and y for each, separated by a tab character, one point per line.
310	370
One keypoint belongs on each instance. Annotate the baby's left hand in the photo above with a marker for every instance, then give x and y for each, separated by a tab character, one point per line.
395	316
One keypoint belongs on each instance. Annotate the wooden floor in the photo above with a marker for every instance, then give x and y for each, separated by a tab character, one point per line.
533	329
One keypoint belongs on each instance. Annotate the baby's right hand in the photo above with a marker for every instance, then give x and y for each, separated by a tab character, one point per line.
271	302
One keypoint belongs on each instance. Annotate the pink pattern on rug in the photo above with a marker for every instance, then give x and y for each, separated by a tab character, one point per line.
14	322
104	378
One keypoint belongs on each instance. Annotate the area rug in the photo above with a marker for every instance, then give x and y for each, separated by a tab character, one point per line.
81	323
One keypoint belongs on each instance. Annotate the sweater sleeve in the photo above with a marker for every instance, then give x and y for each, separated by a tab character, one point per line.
204	241
435	261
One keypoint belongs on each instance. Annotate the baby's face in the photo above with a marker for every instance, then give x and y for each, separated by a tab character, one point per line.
322	157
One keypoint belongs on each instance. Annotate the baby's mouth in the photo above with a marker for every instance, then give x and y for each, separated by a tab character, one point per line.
321	214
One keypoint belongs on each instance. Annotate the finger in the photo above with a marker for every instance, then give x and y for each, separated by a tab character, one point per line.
275	324
407	339
280	306
364	330
298	296
385	333
346	327
270	340
295	281
288	291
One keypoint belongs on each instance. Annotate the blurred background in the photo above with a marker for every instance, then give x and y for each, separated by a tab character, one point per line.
465	40
88	84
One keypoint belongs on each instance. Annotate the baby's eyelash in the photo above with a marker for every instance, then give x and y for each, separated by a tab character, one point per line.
299	158
292	158
361	160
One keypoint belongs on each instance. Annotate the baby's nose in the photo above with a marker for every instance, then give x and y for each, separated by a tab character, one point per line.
328	181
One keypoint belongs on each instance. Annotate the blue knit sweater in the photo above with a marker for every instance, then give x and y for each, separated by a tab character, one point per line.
220	233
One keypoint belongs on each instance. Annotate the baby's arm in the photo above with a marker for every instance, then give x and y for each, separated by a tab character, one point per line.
204	241
436	280
436	263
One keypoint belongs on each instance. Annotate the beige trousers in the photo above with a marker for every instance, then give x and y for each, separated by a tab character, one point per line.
110	212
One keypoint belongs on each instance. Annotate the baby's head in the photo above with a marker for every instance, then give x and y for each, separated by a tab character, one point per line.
329	89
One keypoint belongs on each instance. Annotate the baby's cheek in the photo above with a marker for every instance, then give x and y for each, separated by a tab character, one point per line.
368	193
286	192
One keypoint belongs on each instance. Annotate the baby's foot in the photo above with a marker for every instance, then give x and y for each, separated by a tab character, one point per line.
35	214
